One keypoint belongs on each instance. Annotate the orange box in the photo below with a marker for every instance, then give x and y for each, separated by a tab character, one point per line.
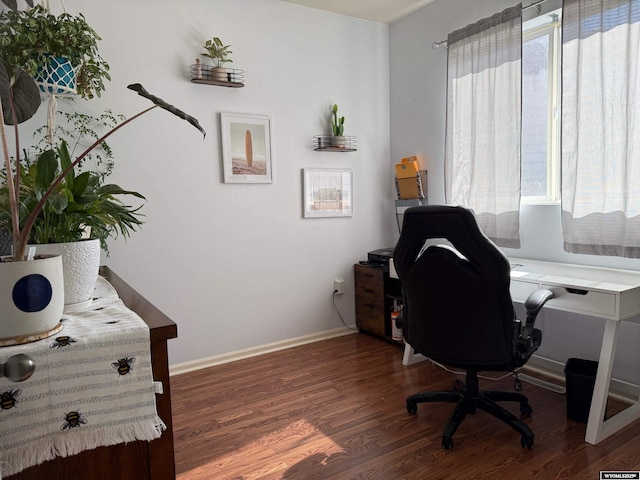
407	168
413	187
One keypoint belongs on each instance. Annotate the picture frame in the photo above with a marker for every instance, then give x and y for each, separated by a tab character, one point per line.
327	192
246	148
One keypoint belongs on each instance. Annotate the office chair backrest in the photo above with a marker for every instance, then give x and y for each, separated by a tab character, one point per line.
458	309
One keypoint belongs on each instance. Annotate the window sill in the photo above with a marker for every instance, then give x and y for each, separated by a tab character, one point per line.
538	201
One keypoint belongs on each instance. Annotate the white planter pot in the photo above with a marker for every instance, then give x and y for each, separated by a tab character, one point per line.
219	74
31	300
338	141
80	264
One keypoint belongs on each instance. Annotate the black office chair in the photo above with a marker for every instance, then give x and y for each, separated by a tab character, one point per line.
458	311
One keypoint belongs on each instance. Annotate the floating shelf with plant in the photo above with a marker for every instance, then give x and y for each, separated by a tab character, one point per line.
337	141
217	74
326	143
209	75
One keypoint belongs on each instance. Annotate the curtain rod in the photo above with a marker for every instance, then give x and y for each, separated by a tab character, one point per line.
535	5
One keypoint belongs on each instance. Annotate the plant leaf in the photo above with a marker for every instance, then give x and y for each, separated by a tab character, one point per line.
46	169
65	161
80	184
136	87
26	95
57	203
12	4
112	189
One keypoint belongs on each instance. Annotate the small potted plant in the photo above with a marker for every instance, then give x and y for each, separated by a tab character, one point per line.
60	52
218	52
337	128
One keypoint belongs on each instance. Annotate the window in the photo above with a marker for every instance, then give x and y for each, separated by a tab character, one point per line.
540	167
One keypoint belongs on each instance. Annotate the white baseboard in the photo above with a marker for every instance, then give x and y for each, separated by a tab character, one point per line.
199	364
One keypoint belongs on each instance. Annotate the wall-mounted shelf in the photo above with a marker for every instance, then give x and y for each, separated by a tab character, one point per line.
326	143
208	75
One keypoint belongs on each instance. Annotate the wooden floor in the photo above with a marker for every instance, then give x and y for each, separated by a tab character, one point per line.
336	410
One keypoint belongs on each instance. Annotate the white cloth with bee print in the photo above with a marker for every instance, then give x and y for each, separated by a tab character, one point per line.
93	386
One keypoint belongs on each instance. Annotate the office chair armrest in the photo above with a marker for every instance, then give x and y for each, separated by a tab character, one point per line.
532	305
535	302
527	338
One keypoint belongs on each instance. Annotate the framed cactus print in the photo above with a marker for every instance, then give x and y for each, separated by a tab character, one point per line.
327	192
246	148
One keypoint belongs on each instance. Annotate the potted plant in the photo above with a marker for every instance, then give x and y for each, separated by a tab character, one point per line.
31	292
75	222
337	128
19	99
60	51
217	52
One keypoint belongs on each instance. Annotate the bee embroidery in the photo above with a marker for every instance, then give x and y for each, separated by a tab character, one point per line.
63	341
124	365
73	420
8	399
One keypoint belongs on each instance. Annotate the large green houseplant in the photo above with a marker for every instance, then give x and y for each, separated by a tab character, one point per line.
82	206
31	294
34	38
76	220
18	101
85	204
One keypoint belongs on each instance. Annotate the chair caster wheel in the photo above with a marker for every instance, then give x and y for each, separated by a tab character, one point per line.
526	442
447	443
412	408
525	409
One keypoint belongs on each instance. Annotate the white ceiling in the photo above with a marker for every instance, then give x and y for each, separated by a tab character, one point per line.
384	11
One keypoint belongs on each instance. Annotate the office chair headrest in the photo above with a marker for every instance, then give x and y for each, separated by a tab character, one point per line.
456	225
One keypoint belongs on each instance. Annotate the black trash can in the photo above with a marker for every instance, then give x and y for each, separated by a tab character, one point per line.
580	379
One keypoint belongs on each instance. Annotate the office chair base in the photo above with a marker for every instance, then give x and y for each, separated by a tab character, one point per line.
468	400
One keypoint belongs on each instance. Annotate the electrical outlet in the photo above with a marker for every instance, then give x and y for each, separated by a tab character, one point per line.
338	286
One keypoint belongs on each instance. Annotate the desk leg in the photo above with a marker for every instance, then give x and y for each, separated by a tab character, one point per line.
595	425
410	356
597	428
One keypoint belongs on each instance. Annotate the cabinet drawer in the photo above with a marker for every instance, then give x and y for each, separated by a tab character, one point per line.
369	282
582	301
370	315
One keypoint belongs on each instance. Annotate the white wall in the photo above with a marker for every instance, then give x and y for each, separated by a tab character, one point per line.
418	120
236	265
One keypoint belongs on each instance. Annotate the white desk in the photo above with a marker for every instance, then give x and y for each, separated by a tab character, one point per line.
610	294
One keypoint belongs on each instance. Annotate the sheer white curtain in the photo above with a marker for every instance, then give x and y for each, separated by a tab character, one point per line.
601	127
484	123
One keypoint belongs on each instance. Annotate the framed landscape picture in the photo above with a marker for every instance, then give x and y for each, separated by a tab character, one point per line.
327	192
246	148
